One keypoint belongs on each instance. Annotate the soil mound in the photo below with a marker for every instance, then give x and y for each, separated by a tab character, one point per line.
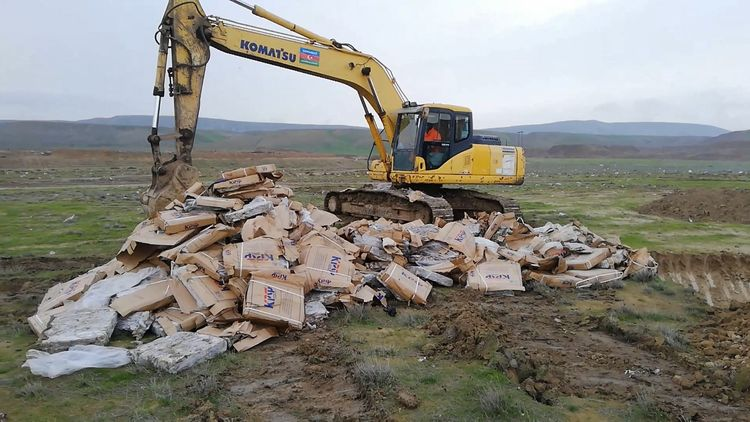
718	205
723	280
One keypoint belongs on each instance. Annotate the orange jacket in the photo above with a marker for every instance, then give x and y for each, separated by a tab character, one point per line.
433	135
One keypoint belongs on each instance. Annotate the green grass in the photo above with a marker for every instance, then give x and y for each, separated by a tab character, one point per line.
446	389
34	222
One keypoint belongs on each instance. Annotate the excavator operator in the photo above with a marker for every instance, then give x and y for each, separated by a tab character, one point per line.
433	148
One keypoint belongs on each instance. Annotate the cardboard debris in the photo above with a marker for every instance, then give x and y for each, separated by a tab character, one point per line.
149	233
174	221
274	302
257	206
146	298
237	183
326	268
587	261
40	321
212	202
405	285
495	276
323	218
258	335
431	276
363	293
242	260
595	276
68	291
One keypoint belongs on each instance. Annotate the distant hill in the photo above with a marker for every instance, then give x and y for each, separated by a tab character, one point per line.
738	136
47	135
346	140
545	140
595	127
207	123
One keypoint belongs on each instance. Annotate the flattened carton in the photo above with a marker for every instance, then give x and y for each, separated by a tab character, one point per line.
327	268
70	290
456	235
147	298
588	261
240	259
174	221
405	285
495	276
274	302
238	183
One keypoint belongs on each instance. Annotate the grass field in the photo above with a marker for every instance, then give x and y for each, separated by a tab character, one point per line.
64	214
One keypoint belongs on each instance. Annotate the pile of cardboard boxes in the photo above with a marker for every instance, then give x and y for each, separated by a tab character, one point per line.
235	263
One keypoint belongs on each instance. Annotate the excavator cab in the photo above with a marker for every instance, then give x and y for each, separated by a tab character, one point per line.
433	134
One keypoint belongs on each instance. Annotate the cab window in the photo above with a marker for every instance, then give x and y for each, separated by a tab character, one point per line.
439	127
462	127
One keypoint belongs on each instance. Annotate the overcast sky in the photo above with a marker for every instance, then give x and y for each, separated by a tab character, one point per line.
512	62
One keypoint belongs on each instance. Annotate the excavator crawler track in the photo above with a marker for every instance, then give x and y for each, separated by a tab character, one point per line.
399	204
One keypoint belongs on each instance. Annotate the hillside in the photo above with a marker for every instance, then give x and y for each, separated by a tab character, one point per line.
343	140
595	127
45	135
545	140
207	123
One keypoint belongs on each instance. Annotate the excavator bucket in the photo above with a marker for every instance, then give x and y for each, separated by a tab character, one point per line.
168	182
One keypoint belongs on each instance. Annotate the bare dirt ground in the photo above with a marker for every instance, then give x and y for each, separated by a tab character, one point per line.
552	352
301	376
717	205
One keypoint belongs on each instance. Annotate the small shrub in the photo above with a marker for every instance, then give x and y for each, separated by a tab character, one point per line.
382	352
610	324
626	312
161	390
742	379
359	313
429	379
495	404
543	289
32	389
411	319
646	408
374	376
673	338
204	385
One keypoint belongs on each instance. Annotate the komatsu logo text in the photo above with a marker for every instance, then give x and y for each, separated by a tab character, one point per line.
277	53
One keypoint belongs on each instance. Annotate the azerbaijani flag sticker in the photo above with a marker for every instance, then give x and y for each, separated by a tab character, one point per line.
309	57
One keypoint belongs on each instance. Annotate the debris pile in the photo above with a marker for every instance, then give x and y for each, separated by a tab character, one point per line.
235	263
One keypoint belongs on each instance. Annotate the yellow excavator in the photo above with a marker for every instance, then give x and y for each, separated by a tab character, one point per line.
421	147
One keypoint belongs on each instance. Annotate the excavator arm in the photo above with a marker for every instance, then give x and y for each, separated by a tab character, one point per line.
189	35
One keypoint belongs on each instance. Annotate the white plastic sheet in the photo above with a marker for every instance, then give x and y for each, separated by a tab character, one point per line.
53	365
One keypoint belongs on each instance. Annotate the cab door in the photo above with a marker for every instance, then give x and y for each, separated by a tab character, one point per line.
438	138
406	141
